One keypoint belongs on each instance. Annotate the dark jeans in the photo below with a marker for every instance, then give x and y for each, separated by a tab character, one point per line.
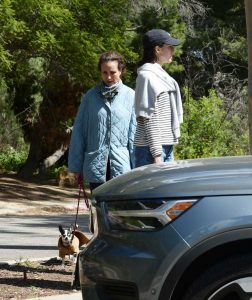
144	157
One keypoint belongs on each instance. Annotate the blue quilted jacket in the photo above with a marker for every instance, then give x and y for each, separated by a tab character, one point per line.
103	131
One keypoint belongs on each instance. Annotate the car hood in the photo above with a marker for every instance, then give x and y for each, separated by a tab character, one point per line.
182	178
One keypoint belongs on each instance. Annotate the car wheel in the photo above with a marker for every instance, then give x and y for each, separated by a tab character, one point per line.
230	279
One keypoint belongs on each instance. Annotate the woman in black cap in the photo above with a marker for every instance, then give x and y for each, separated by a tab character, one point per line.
158	104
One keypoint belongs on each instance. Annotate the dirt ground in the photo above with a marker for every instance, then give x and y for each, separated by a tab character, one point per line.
31	279
36	196
35	279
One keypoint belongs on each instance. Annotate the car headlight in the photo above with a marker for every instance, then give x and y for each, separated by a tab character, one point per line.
144	215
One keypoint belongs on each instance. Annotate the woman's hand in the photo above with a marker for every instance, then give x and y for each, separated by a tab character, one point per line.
158	159
78	178
77	175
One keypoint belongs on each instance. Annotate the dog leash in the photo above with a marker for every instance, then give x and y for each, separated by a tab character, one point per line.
81	190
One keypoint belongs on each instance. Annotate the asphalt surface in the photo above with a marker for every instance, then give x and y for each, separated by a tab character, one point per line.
32	237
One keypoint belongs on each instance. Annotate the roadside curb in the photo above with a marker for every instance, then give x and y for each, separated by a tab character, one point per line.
73	296
14	262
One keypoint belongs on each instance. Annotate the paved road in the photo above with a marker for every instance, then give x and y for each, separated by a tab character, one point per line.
31	237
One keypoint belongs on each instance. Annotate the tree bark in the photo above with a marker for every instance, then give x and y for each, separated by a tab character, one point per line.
248	11
50	134
51	160
32	161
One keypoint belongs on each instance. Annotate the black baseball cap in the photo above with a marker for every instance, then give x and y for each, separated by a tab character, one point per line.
155	37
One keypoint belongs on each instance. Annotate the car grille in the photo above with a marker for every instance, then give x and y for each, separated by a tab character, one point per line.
117	290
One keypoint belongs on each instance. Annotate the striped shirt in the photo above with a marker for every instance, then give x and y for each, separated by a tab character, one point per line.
157	130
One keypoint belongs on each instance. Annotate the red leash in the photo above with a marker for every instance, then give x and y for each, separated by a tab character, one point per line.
81	190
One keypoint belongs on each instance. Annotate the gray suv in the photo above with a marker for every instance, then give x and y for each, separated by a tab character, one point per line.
175	231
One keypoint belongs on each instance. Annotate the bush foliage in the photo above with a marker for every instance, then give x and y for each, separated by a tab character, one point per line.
207	131
11	159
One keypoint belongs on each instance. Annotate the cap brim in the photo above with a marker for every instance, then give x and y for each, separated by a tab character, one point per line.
173	42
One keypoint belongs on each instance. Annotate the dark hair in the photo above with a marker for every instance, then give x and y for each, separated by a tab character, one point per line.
111	56
149	54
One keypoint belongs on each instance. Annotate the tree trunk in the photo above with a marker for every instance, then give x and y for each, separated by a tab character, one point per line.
50	134
32	161
51	160
248	10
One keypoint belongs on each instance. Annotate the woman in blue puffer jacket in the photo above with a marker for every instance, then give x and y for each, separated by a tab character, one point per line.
101	145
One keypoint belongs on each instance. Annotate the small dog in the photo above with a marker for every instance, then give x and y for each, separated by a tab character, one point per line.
69	243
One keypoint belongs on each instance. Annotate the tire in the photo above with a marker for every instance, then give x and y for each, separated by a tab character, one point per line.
230	279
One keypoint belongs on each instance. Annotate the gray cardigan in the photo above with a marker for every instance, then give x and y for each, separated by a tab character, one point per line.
151	81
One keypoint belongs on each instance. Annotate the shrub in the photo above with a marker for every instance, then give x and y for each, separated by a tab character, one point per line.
207	131
11	159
